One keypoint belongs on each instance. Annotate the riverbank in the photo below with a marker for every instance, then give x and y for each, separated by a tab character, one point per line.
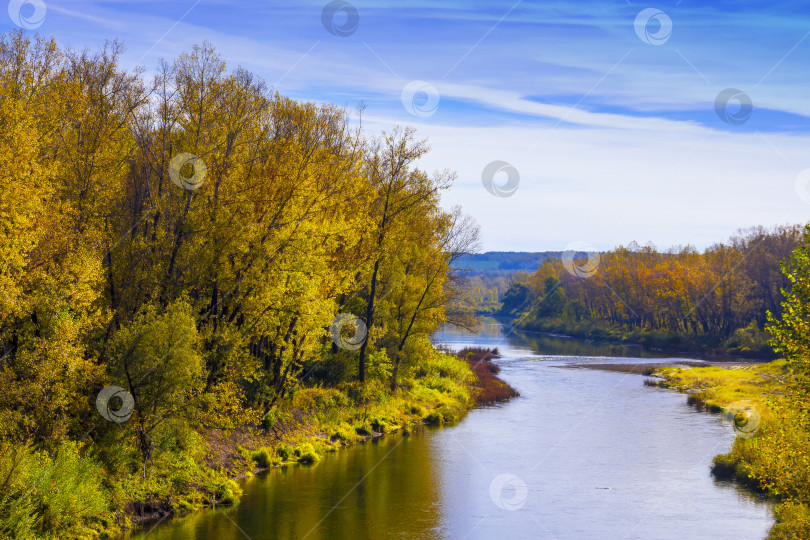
653	340
649	369
770	453
317	421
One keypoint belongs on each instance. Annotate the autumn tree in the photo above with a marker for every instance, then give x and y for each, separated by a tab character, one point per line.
399	191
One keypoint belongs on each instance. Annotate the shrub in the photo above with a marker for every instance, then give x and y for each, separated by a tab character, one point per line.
363	429
17	509
306	454
792	521
284	452
724	466
434	418
343	433
378	425
60	494
379	366
262	458
228	493
749	338
418	410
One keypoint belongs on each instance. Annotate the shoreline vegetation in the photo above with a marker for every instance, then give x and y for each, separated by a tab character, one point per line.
490	388
314	422
323	420
649	341
747	310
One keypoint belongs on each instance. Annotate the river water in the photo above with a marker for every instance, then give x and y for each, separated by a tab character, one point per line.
582	454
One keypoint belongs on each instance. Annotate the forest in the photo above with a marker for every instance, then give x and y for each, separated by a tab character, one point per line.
195	260
715	299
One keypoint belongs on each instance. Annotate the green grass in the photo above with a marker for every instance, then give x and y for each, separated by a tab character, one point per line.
716	387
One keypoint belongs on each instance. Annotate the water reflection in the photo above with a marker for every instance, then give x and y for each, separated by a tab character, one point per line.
499	333
372	491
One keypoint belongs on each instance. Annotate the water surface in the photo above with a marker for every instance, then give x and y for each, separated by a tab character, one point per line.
582	454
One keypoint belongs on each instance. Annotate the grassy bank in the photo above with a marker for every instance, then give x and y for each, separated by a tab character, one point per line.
95	502
770	455
318	420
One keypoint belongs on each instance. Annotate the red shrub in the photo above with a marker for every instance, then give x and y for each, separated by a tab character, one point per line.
491	389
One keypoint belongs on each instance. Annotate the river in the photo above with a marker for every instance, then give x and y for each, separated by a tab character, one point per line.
582	454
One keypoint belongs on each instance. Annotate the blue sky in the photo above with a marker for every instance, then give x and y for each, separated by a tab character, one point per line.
610	121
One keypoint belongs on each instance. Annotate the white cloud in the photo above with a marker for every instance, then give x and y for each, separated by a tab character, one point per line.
612	186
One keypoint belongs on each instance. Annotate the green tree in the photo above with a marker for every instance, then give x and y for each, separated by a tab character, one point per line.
515	299
156	359
552	303
791	332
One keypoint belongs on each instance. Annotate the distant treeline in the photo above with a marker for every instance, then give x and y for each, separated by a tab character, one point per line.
722	293
499	263
490	274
